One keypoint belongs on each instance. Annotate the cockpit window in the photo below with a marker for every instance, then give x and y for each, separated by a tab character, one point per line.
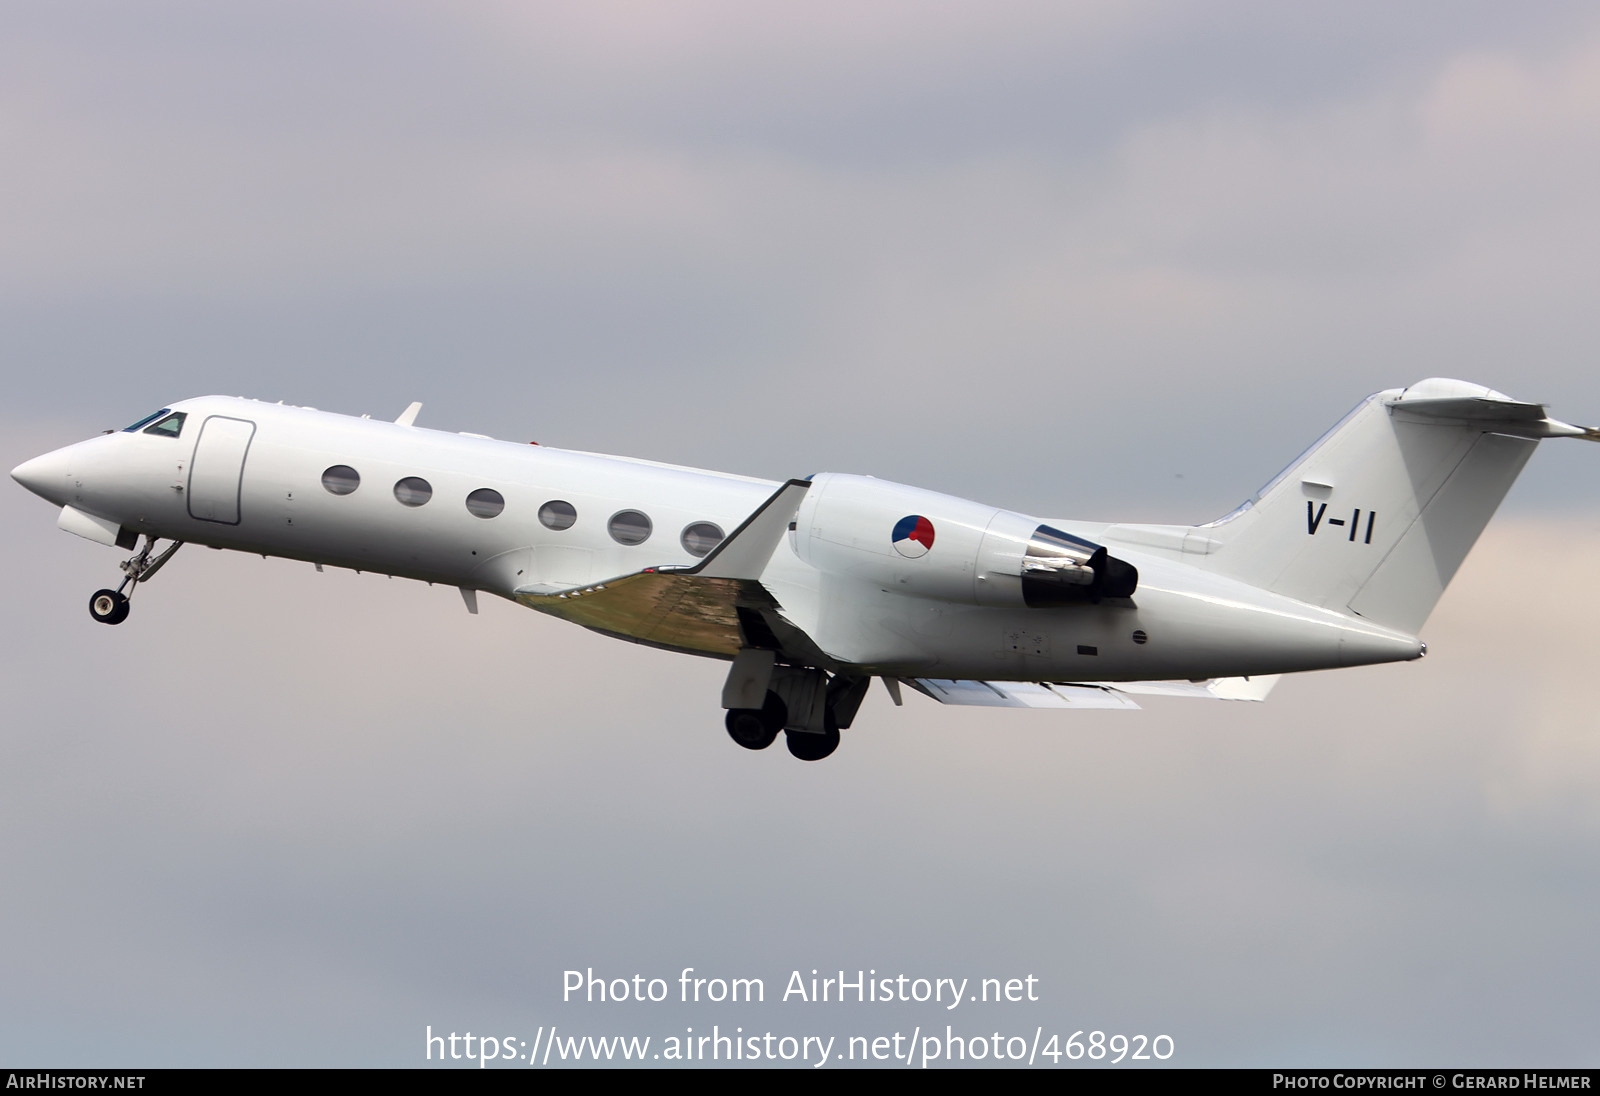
169	427
147	420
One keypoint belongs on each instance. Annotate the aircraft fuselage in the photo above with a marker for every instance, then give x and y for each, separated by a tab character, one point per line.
250	476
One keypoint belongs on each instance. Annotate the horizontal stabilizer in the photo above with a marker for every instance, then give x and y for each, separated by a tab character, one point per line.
1445	402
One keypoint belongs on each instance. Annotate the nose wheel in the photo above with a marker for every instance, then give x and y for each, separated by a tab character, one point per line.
111	606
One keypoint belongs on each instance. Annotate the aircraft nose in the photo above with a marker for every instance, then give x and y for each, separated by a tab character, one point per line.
45	476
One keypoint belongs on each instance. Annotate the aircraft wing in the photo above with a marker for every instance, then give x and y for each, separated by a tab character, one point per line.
1018	694
716	606
1217	688
1088	694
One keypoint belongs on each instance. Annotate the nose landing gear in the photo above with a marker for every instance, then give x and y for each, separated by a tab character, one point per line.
111	606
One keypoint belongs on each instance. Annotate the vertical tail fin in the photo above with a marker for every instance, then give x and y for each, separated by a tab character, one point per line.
1375	518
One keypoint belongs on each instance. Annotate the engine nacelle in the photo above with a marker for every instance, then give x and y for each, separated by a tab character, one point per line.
937	546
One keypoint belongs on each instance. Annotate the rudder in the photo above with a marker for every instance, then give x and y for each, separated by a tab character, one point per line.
1376	517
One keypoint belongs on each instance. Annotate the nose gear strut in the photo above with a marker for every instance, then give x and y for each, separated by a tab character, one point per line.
111	606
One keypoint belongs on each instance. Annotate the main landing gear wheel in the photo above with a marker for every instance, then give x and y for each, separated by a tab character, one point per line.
757	728
109	606
746	727
810	746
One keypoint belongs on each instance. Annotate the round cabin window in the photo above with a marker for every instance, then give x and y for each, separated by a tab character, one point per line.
557	515
485	502
699	538
413	491
341	479
629	527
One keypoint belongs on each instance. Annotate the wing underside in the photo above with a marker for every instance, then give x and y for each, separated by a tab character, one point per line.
716	607
686	613
1087	694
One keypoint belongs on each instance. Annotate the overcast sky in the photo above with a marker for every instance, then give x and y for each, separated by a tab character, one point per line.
1099	261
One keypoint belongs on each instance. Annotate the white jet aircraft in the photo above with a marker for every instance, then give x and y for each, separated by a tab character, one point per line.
812	588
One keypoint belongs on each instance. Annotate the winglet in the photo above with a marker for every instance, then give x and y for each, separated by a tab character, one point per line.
745	553
408	417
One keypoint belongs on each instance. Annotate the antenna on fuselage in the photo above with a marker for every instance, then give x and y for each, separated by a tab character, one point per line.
408	417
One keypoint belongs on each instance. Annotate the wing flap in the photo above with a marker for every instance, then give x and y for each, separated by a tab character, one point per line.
1019	694
1087	694
1217	688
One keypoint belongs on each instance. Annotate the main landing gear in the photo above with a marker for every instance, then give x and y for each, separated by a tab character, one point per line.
757	728
111	606
806	704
